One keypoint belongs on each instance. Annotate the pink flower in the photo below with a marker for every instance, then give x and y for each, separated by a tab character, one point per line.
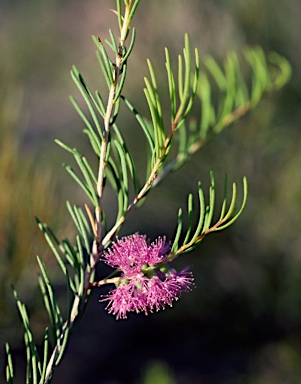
143	287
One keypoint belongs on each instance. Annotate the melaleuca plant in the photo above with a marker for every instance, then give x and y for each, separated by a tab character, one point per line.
143	277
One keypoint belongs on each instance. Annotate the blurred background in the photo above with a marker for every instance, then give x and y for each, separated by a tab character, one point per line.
243	322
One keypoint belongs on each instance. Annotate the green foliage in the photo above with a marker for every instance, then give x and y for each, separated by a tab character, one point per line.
222	95
205	217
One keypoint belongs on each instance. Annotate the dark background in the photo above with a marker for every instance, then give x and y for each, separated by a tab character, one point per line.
243	322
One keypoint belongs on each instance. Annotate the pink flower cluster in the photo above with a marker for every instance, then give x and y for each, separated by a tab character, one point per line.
143	287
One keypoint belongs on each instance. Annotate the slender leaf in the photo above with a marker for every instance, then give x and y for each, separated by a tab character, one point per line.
87	96
131	46
202	211
124	173
9	366
133	9
171	86
104	61
94	140
83	228
119	13
81	261
53	243
113	44
82	115
145	127
190	217
216	72
52	306
175	244
45	357
87	191
121	83
32	356
234	218
281	71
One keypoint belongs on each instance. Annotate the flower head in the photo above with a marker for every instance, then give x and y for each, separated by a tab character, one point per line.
143	286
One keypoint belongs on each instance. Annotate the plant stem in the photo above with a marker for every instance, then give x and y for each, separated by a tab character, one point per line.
117	70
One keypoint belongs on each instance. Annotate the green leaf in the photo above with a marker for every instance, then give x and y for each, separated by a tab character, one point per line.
175	245
87	191
53	243
70	253
62	342
90	187
124	173
131	46
105	63
171	86
32	357
230	218
114	177
202	209
89	176
50	302
155	100
216	73
88	97
82	115
9	366
121	82
145	127
133	9
281	70
100	104
81	271
119	14
194	86
190	218
82	225
207	111
184	87
210	208
228	98
45	356
94	140
113	44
